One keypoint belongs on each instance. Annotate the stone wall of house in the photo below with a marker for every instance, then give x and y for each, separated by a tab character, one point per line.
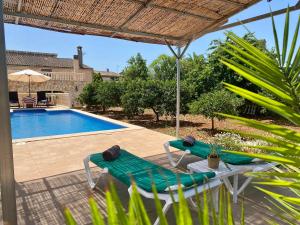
74	88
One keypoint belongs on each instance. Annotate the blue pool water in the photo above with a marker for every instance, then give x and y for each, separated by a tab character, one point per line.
39	123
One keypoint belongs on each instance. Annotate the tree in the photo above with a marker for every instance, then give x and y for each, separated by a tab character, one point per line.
164	67
219	101
88	95
96	77
108	94
136	68
194	67
131	100
152	92
169	97
216	72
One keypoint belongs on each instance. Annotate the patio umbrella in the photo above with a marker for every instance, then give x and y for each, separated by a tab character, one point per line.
28	76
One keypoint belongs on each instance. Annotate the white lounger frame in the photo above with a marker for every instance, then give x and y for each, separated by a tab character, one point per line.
233	188
212	185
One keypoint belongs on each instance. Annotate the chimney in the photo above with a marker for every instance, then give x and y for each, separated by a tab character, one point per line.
79	54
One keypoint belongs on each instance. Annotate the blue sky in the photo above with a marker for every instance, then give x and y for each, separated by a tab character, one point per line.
102	53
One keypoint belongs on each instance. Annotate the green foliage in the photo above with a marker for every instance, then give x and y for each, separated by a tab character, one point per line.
136	69
217	72
152	92
108	94
137	214
88	95
96	78
279	76
164	67
219	101
169	97
132	98
99	93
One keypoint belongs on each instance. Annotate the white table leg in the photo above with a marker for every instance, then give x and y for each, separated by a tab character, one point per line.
235	188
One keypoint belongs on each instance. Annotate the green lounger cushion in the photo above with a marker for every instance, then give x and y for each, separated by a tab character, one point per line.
128	166
202	150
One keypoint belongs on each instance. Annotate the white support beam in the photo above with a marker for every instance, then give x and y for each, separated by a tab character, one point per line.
18	10
178	91
7	179
178	56
90	25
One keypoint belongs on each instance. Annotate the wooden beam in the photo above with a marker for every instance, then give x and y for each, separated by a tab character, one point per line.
216	23
137	12
174	10
131	17
90	25
257	18
232	2
18	10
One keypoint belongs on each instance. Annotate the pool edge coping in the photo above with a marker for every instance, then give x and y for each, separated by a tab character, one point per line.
128	127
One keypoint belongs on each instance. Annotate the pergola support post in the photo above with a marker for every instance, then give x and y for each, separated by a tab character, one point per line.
178	91
8	194
178	56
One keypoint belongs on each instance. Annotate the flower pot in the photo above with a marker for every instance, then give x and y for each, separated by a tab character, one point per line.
213	161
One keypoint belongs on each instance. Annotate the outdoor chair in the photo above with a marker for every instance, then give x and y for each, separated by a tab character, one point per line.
128	167
13	98
29	102
42	99
233	164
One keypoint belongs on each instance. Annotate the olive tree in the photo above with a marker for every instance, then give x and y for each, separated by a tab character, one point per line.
219	101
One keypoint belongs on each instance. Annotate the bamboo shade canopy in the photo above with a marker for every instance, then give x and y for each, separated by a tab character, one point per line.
150	21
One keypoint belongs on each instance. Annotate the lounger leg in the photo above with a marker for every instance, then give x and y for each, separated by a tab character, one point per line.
164	209
89	173
170	157
235	188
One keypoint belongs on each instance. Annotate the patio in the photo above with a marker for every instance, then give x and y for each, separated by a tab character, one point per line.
44	174
47	180
43	193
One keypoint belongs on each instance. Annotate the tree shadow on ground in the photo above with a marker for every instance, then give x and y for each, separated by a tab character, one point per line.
148	120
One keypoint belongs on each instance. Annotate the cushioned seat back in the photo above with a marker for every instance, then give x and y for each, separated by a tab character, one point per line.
202	150
128	166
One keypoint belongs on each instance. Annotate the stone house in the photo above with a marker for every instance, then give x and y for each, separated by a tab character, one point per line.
109	75
68	75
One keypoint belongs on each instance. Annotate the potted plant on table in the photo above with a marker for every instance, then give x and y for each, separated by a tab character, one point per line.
213	158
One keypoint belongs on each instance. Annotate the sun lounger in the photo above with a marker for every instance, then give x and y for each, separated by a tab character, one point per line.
42	98
202	150
232	164
128	167
13	98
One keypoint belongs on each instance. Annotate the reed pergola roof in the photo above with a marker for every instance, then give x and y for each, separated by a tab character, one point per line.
151	21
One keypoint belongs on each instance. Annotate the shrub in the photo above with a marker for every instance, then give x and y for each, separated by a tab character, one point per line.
219	101
88	95
108	94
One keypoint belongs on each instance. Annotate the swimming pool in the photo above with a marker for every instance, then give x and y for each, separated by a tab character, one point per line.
40	123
